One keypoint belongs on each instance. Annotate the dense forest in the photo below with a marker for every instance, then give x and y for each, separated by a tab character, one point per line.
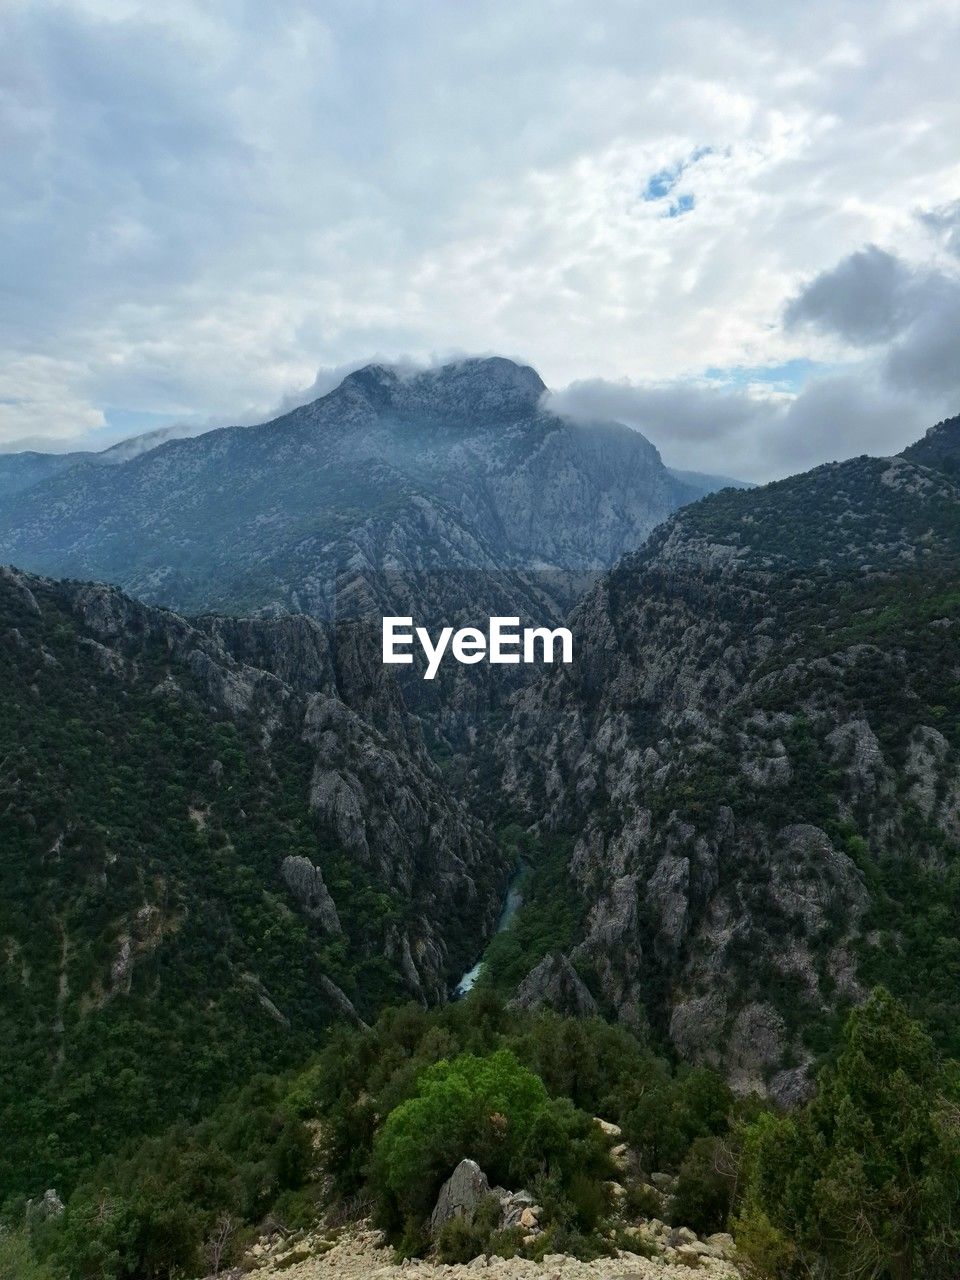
860	1181
153	956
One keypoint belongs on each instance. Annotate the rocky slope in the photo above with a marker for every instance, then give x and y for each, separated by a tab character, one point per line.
387	476
756	756
218	835
359	1255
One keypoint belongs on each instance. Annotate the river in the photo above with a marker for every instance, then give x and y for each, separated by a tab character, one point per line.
510	905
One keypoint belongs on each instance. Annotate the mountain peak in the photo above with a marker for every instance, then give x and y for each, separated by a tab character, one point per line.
939	448
477	387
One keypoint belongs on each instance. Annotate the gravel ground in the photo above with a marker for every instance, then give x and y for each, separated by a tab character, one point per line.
358	1255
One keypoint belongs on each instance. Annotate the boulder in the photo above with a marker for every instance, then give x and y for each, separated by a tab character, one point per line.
306	883
48	1206
605	1126
620	1155
518	1209
687	1256
460	1195
723	1243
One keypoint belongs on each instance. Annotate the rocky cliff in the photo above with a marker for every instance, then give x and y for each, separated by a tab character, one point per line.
390	476
756	755
219	835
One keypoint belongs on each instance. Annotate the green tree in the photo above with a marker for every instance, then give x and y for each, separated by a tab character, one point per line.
865	1180
483	1108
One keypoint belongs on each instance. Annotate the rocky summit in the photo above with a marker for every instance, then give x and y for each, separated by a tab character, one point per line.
390	475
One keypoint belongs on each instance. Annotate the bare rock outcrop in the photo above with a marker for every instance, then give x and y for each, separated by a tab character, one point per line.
555	984
305	882
460	1196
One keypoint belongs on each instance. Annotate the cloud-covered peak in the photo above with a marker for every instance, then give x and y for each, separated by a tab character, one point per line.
475	387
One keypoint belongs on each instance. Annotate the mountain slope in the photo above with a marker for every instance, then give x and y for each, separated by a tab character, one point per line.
939	448
217	836
755	756
21	471
452	468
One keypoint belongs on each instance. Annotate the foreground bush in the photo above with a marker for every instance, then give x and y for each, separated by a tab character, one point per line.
494	1111
864	1181
481	1108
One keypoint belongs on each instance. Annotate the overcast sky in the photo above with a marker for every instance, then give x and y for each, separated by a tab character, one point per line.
735	226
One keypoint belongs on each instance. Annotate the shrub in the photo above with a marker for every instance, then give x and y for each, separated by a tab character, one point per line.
642	1201
863	1179
17	1261
482	1108
505	1244
768	1254
704	1187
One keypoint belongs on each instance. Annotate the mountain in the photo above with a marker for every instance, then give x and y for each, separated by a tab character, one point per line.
217	837
939	448
733	814
20	471
223	833
389	475
754	764
705	483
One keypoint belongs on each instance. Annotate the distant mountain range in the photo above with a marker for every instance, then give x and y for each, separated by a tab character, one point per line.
19	471
450	469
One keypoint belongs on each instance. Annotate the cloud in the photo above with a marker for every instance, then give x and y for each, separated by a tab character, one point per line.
868	297
944	222
912	312
200	205
926	357
39	405
752	434
681	414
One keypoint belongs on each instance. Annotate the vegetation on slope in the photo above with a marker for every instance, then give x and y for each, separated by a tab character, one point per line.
150	958
862	1181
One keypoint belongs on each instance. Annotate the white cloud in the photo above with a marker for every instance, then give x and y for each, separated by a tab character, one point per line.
39	406
755	432
201	204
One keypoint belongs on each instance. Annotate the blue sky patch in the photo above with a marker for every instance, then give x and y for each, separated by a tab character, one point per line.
661	184
683	204
789	376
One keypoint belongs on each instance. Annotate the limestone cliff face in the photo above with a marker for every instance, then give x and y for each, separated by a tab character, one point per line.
755	751
744	740
323	510
555	984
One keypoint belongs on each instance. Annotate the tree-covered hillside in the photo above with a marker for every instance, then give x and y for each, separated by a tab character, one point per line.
181	902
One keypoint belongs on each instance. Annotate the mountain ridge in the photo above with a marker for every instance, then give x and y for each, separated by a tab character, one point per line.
737	810
755	762
276	517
